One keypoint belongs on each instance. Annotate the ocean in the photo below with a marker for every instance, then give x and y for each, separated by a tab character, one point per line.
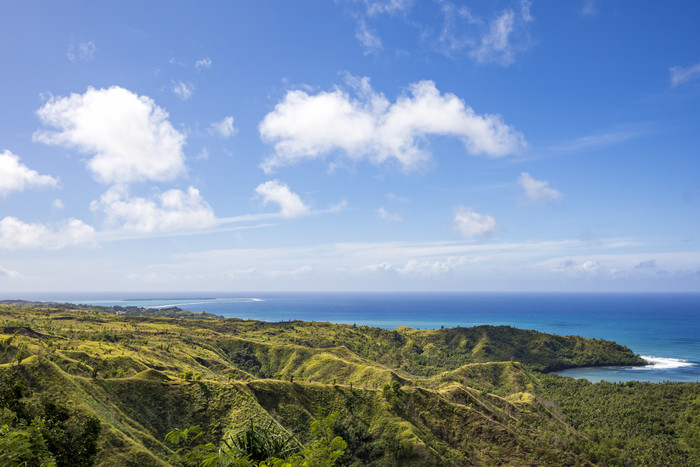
662	328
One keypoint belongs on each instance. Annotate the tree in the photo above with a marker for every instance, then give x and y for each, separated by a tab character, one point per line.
253	445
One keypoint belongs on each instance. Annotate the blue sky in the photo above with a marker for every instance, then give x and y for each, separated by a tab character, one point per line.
349	145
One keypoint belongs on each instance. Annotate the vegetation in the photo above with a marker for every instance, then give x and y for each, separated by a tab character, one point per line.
250	392
255	446
42	431
632	423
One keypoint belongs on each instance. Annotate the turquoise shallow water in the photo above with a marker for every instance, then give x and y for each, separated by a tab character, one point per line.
664	328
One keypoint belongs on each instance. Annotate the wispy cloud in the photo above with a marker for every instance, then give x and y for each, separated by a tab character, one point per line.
681	75
395	197
387	216
370	42
506	36
537	190
599	140
8	273
183	90
204	63
84	51
400	263
487	39
589	8
376	7
224	128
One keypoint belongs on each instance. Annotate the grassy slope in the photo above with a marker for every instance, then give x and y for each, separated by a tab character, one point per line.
408	396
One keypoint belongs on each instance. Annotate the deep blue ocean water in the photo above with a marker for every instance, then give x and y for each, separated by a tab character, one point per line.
664	328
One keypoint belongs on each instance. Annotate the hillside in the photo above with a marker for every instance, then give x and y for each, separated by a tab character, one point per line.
451	396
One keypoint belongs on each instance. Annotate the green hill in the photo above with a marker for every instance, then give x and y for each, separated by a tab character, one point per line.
405	397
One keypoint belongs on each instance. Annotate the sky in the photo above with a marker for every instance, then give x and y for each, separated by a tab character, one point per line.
349	145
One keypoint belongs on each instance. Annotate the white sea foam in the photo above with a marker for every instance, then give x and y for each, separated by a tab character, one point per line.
661	363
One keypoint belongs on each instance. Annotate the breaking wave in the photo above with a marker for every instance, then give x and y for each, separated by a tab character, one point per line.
662	363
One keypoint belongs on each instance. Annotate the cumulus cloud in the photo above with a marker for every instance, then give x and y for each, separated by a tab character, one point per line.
15	176
128	136
57	204
499	44
84	51
277	192
370	42
388	216
306	126
470	224
537	190
167	211
203	63
681	75
18	235
183	90
224	128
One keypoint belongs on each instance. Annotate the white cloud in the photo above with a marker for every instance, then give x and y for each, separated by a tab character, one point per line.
501	42
681	75
183	90
15	176
85	51
277	192
370	42
129	135
168	211
203	63
305	126
388	216
224	128
18	235
537	190
470	224
57	204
